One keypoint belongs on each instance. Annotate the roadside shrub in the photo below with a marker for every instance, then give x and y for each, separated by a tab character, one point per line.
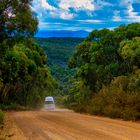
1	117
12	106
60	101
131	114
112	112
81	108
116	103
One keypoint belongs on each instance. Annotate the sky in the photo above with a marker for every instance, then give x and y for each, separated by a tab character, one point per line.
85	14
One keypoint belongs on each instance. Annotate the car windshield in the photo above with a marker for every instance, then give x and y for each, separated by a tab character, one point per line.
48	102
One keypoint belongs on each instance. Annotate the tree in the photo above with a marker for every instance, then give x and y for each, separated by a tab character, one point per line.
98	59
108	66
24	76
130	51
16	19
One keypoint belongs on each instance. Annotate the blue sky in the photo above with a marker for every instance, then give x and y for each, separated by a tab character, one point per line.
85	14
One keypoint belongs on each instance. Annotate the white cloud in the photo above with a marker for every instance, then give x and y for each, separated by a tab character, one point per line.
72	9
51	25
132	16
37	8
90	21
45	4
63	14
66	15
77	4
44	10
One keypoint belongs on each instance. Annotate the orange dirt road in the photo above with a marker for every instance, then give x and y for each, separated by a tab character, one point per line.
66	125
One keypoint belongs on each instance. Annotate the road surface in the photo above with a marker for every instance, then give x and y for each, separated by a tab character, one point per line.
65	125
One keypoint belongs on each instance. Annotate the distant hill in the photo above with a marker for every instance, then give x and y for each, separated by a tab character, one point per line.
59	50
62	33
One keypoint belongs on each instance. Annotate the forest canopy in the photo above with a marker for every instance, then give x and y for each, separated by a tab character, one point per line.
24	76
108	65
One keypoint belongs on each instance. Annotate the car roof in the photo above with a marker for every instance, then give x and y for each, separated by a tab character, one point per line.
49	98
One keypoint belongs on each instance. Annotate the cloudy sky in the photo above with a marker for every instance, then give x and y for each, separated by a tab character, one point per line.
85	14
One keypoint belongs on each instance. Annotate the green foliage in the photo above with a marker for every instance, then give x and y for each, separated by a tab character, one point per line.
98	58
117	101
13	106
23	73
24	77
103	56
16	20
59	50
1	117
77	96
130	51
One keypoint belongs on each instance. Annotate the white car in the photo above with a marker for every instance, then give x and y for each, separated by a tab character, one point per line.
49	103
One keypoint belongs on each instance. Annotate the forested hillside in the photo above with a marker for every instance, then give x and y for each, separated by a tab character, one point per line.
108	73
59	51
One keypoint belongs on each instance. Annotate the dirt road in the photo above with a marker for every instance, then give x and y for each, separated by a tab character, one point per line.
58	125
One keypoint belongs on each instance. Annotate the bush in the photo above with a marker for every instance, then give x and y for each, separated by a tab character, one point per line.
12	106
119	99
1	117
131	114
112	112
116	103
